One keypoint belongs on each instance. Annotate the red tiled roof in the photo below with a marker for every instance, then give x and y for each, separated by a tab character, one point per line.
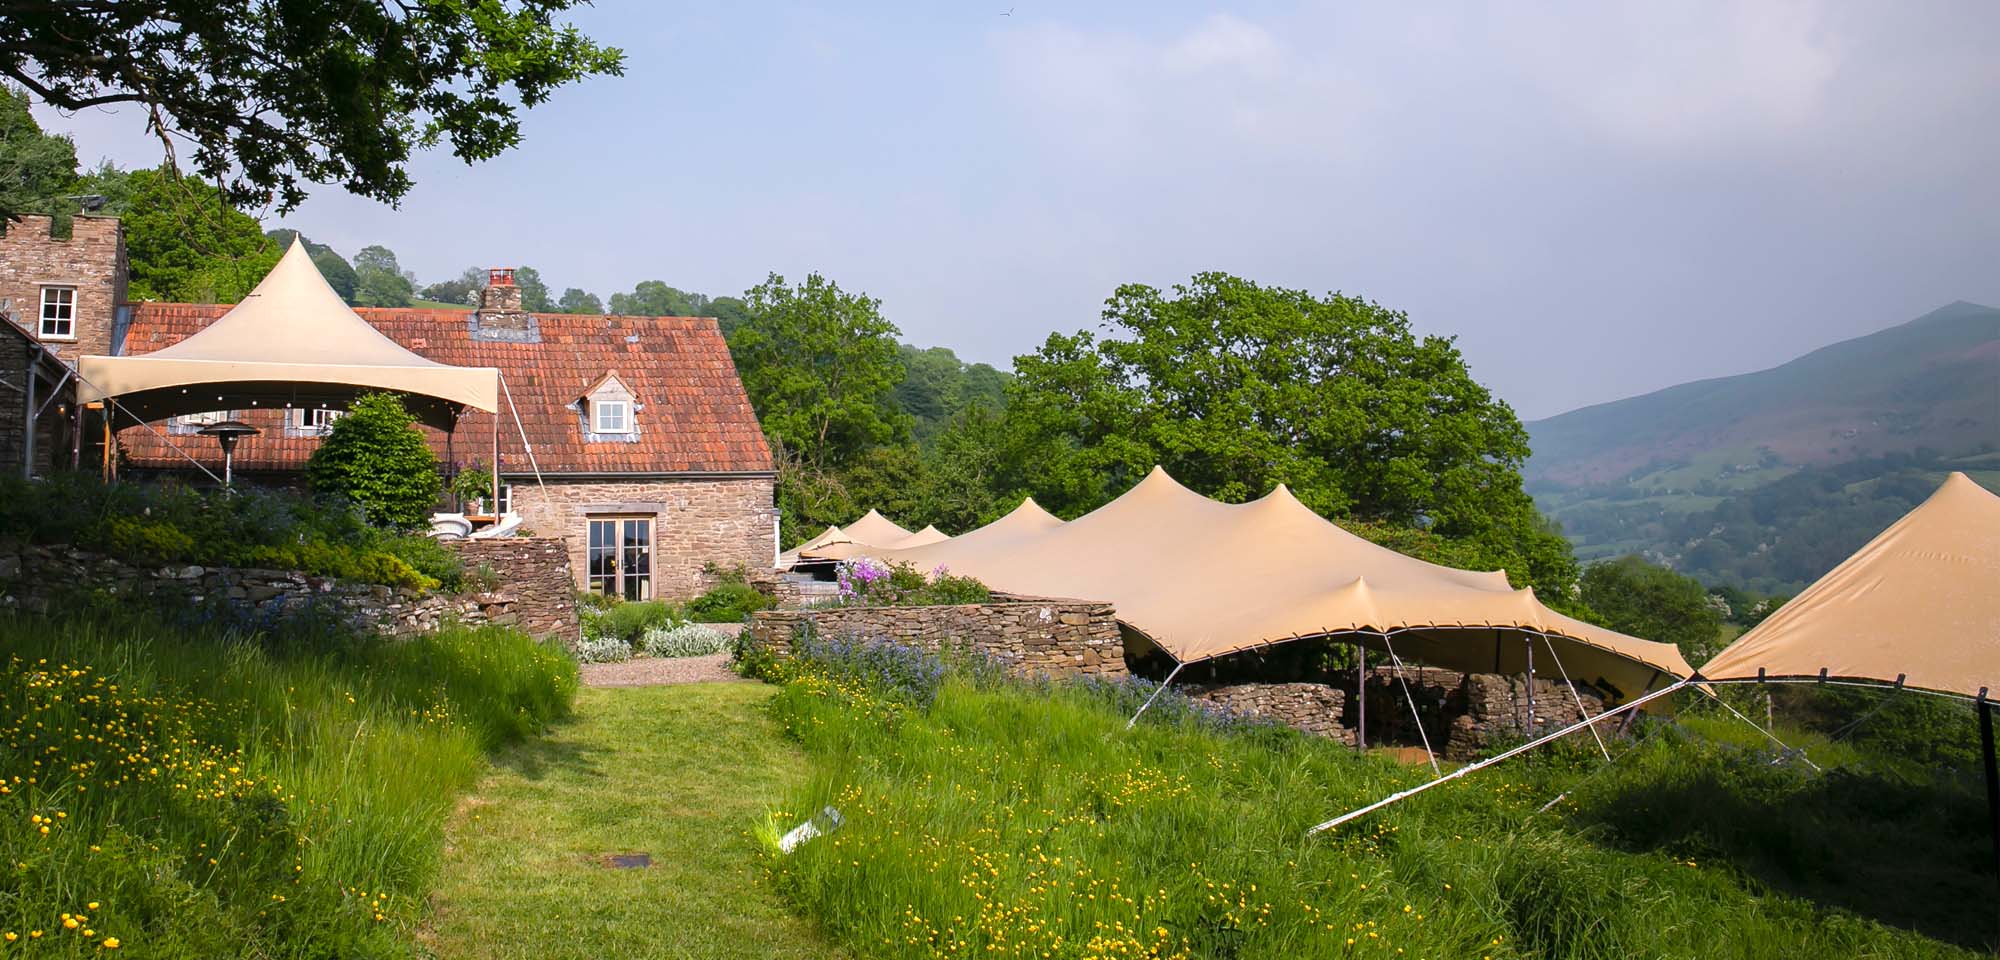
694	416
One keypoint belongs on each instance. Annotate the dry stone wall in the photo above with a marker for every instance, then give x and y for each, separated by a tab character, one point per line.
1053	637
1313	708
33	578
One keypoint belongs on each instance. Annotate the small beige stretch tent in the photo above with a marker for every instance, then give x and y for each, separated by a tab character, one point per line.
1919	606
872	532
1201	579
291	341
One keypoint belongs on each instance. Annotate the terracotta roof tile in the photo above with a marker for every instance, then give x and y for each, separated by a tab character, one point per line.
693	415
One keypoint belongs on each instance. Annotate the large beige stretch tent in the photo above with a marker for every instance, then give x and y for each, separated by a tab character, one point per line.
872	531
1919	606
1201	579
291	341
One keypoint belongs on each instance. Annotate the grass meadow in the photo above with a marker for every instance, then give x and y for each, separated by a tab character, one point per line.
189	792
986	818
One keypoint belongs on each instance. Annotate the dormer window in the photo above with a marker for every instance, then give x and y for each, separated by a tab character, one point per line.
610	416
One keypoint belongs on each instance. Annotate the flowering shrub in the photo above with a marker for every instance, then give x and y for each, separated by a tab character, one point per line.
866	582
602	650
683	640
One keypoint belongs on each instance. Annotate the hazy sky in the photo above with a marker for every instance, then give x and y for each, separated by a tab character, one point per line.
1597	198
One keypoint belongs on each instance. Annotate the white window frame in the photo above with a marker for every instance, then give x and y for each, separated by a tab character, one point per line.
193	422
315	421
599	407
42	328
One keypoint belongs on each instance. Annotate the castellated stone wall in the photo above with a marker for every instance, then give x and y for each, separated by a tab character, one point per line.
727	521
91	261
1053	637
532	592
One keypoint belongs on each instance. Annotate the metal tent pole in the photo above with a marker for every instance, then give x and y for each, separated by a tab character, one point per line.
1162	688
1397	662
1360	698
1992	772
1531	688
28	407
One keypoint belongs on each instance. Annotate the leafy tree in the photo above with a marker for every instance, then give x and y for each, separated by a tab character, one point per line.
37	169
819	365
183	240
651	298
459	289
379	280
375	457
729	313
321	91
937	385
1645	600
1235	388
534	293
576	300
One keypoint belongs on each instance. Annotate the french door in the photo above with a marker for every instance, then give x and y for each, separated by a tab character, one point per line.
621	557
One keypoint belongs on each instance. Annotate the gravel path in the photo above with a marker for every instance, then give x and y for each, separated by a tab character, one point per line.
658	671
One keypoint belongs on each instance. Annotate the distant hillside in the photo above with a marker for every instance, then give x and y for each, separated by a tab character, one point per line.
1931	383
1766	479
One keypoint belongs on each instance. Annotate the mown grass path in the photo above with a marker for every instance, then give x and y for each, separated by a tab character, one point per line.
677	772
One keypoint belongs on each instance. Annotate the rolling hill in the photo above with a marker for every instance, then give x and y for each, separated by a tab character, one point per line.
1768	478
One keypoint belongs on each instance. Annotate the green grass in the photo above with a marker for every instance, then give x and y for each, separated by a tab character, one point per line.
680	773
208	794
420	303
999	821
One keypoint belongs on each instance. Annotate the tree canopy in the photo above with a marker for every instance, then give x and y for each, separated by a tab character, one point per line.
375	457
819	364
578	300
273	96
36	168
183	240
652	298
379	281
1645	600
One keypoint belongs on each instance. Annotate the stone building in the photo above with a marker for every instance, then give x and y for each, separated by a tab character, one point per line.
642	450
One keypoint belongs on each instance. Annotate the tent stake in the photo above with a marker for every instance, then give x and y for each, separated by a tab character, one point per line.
1992	771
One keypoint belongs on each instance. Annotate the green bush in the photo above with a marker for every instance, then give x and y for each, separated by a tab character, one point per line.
727	603
375	457
206	796
628	621
176	523
865	582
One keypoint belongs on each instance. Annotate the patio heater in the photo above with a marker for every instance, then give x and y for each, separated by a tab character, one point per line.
227	433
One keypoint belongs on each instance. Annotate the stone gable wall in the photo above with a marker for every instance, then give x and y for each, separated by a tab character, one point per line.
726	521
92	260
533	594
1056	637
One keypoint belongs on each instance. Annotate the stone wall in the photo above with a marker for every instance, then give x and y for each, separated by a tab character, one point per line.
33	578
1313	708
535	590
19	360
1462	714
727	521
91	259
1055	637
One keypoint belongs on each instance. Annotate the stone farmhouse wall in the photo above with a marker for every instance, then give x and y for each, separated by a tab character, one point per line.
1313	708
1053	637
534	592
727	521
91	259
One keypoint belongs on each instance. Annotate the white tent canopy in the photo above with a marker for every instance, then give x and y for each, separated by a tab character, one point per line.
290	341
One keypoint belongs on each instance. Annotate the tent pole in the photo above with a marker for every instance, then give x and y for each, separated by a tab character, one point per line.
1580	711
1531	688
494	499
1768	735
1483	764
28	407
1992	772
1360	699
1162	688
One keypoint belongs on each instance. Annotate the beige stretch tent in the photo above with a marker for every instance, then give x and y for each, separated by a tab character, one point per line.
291	341
1919	606
1201	579
872	531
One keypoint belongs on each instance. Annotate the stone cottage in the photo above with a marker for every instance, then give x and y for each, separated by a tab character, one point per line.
642	451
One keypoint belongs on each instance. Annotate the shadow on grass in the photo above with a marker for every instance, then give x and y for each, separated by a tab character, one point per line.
536	758
1905	852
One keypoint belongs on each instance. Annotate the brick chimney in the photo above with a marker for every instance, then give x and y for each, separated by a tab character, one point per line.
500	316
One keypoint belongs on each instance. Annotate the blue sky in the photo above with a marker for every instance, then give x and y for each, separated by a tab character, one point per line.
1597	199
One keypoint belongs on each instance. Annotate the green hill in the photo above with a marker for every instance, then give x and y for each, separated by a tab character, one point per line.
1769	478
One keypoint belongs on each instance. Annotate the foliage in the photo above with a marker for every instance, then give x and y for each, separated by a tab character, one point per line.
185	243
1644	600
338	272
729	601
602	649
210	794
937	385
379	281
37	169
819	365
272	97
472	482
992	818
652	298
868	583
575	300
534	292
375	458
459	289
683	640
174	523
